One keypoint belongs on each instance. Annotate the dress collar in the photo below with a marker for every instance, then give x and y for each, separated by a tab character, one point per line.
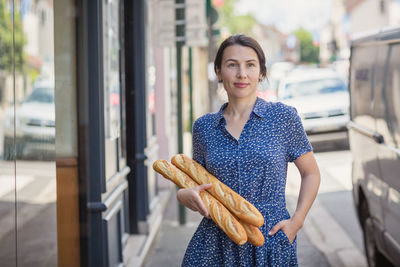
258	110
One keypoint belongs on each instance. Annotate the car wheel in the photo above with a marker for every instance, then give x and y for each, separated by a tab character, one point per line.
374	257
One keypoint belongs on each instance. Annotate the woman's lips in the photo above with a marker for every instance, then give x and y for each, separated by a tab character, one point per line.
241	85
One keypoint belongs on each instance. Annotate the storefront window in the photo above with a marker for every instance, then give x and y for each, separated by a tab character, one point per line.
7	165
150	101
112	85
35	136
27	134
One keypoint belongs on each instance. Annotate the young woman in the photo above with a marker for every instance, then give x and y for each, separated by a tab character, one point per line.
247	145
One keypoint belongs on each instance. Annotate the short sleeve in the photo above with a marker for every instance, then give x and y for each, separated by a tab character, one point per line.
297	142
198	144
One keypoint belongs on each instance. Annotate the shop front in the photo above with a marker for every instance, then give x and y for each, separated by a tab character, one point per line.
77	133
88	101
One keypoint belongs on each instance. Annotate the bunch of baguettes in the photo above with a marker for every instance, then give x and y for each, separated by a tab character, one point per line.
237	217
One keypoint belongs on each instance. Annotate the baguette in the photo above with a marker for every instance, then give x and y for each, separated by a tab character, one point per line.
254	235
219	214
239	206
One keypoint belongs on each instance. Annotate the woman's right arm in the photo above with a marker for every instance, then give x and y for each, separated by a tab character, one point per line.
190	198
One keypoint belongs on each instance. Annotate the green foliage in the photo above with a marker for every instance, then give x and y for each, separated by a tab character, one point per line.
308	52
19	43
243	24
6	40
234	23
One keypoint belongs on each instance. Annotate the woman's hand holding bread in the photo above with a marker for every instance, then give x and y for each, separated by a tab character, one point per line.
190	198
219	214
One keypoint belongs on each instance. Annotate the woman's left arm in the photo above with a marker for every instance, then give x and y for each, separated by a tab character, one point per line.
310	180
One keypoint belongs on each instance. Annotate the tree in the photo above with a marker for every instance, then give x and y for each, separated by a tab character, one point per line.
11	51
235	23
308	52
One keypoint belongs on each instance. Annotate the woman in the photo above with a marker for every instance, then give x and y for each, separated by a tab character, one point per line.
247	145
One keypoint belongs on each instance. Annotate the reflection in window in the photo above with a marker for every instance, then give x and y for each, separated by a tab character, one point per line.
7	164
27	134
41	95
112	85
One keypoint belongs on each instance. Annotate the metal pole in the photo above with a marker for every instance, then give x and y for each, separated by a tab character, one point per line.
180	32
212	86
191	88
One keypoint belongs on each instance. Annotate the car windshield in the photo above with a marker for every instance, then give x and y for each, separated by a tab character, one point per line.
314	87
42	95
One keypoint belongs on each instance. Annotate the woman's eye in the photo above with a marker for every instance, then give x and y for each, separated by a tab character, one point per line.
251	65
231	65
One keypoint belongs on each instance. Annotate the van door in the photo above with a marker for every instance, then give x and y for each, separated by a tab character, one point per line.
387	112
363	146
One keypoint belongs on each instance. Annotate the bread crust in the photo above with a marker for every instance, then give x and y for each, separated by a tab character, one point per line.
219	214
254	235
239	206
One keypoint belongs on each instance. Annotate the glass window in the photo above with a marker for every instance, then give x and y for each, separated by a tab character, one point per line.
7	129
362	78
393	94
35	134
150	102
112	84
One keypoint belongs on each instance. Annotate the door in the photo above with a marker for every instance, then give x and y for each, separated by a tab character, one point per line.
101	119
388	125
363	145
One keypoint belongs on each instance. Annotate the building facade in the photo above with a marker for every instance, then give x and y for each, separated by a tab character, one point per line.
350	18
88	101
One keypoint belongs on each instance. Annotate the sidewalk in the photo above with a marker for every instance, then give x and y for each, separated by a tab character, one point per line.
169	246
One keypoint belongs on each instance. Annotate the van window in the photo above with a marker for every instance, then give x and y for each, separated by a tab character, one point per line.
381	94
362	74
393	93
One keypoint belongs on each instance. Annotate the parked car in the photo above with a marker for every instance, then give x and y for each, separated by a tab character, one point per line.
34	125
321	98
374	134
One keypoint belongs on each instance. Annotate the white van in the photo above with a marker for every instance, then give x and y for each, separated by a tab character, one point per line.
374	135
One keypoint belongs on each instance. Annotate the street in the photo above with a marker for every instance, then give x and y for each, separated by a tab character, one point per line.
331	225
331	235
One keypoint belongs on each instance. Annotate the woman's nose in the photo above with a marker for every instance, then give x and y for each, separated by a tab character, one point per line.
241	72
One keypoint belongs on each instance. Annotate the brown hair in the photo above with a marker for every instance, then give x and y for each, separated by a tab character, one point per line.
243	40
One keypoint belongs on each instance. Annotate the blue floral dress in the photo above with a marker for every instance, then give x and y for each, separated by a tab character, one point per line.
255	166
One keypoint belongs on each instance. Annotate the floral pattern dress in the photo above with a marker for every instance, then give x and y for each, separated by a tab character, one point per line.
255	166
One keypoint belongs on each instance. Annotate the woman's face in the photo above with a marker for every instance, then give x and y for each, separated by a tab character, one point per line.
240	71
